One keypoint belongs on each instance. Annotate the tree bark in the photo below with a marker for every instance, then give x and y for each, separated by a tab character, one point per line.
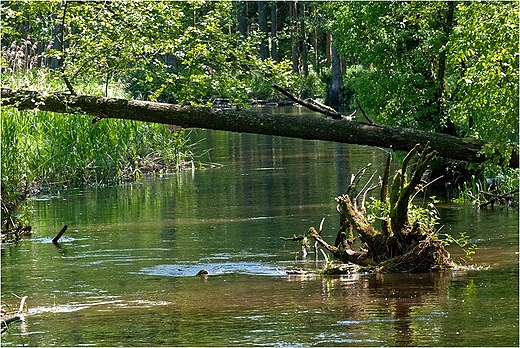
334	89
262	25
243	20
314	128
295	49
400	247
303	40
274	31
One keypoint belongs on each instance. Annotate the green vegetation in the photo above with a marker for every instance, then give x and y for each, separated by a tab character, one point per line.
182	52
498	186
48	151
441	66
412	64
392	233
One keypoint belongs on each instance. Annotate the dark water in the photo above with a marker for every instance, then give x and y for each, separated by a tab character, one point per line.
124	274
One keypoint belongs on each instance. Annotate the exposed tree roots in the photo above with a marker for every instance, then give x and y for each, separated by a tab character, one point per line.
401	244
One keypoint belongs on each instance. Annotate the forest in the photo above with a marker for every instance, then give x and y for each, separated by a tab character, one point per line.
443	67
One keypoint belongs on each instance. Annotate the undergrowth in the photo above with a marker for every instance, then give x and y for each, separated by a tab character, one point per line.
497	186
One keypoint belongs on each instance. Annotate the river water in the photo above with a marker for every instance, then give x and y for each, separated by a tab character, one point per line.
124	272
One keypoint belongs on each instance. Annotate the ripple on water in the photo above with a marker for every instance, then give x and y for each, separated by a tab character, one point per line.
191	269
104	305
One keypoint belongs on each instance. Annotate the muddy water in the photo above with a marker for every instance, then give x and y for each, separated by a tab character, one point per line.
124	273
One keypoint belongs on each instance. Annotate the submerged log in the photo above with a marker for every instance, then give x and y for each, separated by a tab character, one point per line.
328	129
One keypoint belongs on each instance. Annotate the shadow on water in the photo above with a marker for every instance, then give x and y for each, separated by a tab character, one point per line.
125	271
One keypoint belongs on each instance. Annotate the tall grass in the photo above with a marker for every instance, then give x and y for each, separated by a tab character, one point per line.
61	150
56	151
496	182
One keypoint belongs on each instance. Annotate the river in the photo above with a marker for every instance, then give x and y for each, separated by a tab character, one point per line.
124	272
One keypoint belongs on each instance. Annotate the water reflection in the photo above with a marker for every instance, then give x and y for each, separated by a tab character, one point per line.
125	272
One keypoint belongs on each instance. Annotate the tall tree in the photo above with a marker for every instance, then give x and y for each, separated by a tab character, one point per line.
303	39
274	31
243	20
336	84
262	25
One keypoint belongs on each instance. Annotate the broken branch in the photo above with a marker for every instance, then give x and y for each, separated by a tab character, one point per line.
311	104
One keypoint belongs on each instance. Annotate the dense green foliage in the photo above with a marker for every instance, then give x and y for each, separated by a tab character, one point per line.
443	66
42	151
183	52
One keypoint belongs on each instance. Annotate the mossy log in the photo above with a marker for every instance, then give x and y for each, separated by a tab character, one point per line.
333	128
399	246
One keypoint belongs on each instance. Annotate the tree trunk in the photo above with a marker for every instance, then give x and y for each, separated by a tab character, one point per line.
295	49
262	25
316	128
399	247
316	61
334	89
243	20
303	40
274	31
329	50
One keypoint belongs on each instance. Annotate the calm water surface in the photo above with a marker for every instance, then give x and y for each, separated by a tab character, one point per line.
124	274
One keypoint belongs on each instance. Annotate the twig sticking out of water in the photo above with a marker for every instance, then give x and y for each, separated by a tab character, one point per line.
58	236
8	318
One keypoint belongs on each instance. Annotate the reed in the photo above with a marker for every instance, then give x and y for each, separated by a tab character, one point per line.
44	150
58	150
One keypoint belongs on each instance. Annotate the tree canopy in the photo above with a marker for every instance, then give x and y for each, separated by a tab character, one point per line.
443	66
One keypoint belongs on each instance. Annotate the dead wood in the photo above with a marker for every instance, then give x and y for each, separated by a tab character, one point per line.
310	104
12	317
399	246
315	128
347	254
293	238
363	111
503	199
58	236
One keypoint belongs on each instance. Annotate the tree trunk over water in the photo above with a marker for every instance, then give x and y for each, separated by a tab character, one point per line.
313	128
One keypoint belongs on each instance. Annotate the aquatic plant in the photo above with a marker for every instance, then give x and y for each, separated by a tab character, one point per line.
497	186
50	151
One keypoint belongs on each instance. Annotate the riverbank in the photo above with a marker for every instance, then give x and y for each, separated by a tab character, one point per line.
49	152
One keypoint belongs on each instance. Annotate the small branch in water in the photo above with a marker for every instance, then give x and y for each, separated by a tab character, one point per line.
58	236
8	318
293	238
300	238
493	198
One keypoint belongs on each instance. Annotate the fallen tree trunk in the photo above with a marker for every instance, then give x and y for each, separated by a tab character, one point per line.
328	129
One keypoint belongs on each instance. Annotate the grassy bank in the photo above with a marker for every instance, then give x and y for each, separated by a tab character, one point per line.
49	151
